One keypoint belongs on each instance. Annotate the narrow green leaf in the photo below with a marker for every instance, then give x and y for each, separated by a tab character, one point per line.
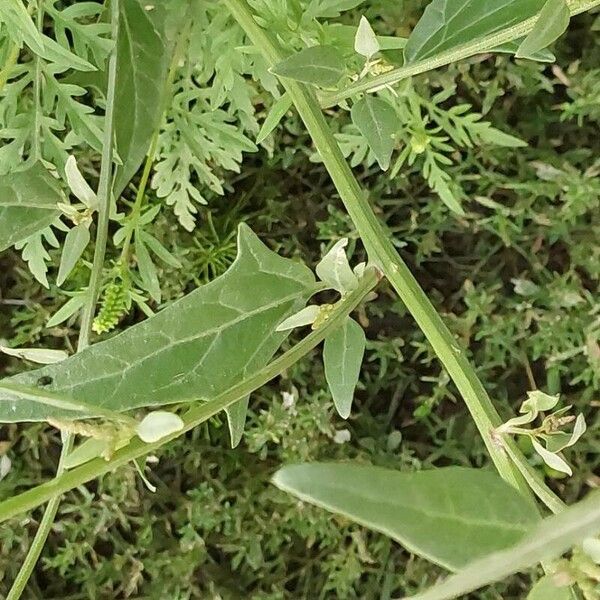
159	250
86	451
19	25
147	269
278	110
67	310
549	539
194	348
306	316
546	589
552	22
319	65
553	460
236	420
543	55
343	353
446	24
78	185
329	9
28	202
450	516
378	122
76	242
42	356
142	66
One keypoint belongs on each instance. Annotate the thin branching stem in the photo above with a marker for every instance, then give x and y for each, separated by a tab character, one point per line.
384	254
460	52
93	292
199	412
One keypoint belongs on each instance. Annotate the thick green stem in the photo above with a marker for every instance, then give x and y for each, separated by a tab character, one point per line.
197	414
460	52
382	252
93	292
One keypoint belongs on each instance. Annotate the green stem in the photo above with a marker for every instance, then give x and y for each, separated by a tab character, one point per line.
383	253
90	307
197	414
460	52
37	91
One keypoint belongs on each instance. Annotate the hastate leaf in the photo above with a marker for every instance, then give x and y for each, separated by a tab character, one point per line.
194	349
142	65
343	353
450	516
28	202
446	24
377	120
319	65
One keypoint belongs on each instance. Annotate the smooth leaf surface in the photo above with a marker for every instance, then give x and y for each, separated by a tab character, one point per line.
195	348
28	202
334	269
378	122
546	589
343	353
142	66
278	110
450	516
365	41
552	22
76	242
511	48
549	539
446	24
319	65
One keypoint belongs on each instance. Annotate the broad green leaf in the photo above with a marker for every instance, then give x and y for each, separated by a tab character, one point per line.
545	541
591	546
193	349
343	353
546	589
553	460
450	516
543	55
19	25
76	242
378	122
334	269
552	22
344	37
446	24
157	425
365	41
319	65
142	65
28	202
278	110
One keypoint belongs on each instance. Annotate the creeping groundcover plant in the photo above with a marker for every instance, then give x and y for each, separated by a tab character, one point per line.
144	317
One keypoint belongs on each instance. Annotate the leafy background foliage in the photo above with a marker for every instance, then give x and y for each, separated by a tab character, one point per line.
514	276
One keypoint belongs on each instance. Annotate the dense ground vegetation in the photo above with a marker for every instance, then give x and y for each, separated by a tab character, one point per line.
515	278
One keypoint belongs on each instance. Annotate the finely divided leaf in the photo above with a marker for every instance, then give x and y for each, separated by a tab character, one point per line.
549	539
193	349
343	353
142	65
28	202
552	22
450	516
446	24
319	65
378	122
